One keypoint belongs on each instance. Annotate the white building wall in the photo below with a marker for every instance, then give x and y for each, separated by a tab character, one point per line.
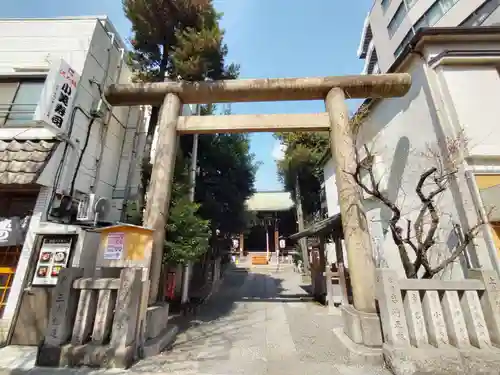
187	110
35	43
86	45
400	131
332	200
115	141
473	109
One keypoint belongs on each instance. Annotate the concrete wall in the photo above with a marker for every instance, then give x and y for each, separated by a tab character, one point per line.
33	43
400	132
470	110
112	158
379	20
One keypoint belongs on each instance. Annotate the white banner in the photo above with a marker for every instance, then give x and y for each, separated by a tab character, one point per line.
58	94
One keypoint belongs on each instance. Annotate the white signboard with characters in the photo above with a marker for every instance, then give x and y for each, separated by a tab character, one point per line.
58	94
114	247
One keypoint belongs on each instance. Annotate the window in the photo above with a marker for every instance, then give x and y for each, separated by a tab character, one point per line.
21	107
422	22
404	42
397	20
410	3
385	4
434	14
481	14
437	11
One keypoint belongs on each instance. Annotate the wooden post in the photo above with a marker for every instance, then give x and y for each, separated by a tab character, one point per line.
354	223
276	236
276	240
339	252
301	226
330	300
242	243
267	240
160	187
322	265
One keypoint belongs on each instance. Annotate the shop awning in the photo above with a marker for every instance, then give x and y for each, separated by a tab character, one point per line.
12	231
22	161
330	226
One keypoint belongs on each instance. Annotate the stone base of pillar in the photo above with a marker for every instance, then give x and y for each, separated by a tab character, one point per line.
70	355
439	361
357	354
362	328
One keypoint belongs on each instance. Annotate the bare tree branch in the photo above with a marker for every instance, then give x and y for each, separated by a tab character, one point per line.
432	183
466	241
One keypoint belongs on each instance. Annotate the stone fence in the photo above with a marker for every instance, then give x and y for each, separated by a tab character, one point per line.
100	321
450	315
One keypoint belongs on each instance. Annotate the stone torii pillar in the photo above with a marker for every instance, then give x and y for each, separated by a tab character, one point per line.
333	90
354	224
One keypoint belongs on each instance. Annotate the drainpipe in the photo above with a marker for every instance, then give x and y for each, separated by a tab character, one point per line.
478	204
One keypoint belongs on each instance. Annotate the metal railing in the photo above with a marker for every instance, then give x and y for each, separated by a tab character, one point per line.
13	114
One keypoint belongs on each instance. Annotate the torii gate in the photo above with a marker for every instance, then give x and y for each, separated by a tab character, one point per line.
333	90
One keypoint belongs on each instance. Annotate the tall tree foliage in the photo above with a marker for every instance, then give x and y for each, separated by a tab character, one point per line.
188	234
226	179
181	39
303	152
176	38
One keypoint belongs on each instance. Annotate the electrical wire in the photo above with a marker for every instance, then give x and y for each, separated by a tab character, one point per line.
59	169
87	137
80	158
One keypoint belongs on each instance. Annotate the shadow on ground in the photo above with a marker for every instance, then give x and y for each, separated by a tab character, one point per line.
218	326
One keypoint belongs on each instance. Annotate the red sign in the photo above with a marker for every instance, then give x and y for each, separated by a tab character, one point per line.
170	285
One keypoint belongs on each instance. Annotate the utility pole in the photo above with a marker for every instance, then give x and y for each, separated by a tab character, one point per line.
192	188
301	226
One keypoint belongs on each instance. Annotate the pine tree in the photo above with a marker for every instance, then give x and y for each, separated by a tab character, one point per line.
181	39
175	39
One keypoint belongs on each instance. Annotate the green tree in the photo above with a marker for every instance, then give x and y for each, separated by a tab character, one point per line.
188	234
226	179
178	39
182	39
303	151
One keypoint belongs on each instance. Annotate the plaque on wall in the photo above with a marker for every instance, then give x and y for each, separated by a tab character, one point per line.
54	255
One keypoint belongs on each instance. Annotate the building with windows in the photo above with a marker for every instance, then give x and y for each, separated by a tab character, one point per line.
68	160
391	24
450	113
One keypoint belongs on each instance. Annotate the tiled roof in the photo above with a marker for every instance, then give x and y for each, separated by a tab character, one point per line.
270	201
22	161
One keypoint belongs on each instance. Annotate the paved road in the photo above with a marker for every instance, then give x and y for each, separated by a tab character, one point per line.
258	323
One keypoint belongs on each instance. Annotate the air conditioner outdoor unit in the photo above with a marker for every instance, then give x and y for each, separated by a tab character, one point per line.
93	208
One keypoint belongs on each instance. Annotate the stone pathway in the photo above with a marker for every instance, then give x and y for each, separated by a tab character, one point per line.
258	323
261	322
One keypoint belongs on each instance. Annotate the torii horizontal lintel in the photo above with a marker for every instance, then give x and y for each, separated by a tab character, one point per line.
253	123
260	90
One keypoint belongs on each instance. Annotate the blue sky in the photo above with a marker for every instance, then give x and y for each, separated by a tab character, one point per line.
269	38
